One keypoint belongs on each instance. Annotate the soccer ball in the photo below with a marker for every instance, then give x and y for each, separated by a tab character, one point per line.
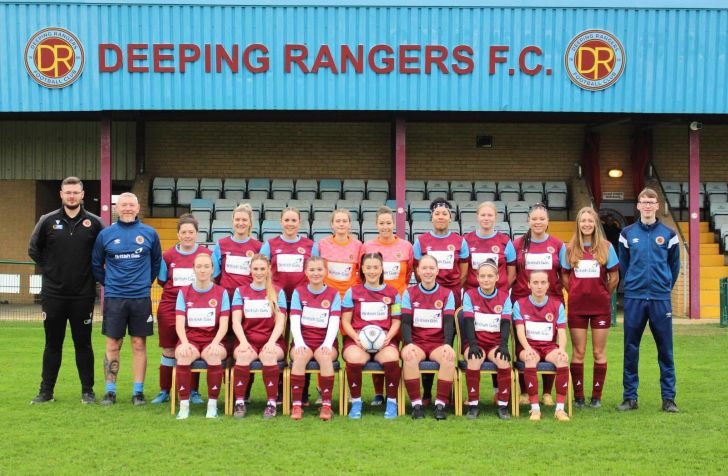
372	338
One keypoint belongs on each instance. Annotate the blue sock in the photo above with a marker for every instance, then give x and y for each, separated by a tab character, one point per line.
138	387
111	387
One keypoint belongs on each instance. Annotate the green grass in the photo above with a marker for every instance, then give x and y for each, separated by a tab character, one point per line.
68	438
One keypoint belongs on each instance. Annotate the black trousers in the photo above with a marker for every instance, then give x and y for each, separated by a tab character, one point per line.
56	313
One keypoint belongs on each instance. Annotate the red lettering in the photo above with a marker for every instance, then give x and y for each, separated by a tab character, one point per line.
463	54
357	61
158	57
185	58
435	54
494	58
131	57
105	48
387	60
290	57
263	60
522	60
324	59
221	55
404	60
208	58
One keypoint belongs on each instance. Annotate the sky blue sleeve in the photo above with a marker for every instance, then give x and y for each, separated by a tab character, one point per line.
510	252
565	262
282	303
217	257
315	250
336	305
450	306
348	302
464	250
225	306
181	304
163	277
562	255
612	259
507	307
406	304
417	249
562	315
517	312
237	299
467	303
295	301
215	265
265	249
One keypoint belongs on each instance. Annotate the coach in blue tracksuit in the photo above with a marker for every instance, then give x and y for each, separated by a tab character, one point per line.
126	260
649	257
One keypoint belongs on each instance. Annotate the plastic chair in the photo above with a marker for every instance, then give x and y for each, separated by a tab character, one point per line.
281	189
371	368
322	209
258	188
518	212
210	188
518	229
313	368
414	190
202	208
377	190
224	208
419	210
306	189
557	195
187	189
717	192
220	229
303	206
673	194
354	189
509	191
199	366
273	208
234	188
438	188
485	190
532	192
461	190
330	189
163	191
352	206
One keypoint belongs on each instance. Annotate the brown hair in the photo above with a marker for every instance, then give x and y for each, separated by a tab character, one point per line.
187	219
71	181
376	255
599	245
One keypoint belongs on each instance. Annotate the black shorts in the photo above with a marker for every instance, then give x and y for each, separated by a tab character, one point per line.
134	313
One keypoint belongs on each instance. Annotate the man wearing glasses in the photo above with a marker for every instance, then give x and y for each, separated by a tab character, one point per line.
649	257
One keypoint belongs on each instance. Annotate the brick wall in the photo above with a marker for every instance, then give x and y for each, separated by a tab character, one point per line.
17	218
671	153
615	151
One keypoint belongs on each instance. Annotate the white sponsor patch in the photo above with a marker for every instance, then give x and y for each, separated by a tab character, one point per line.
201	317
289	263
540	331
539	261
487	322
183	276
239	265
445	259
587	269
391	270
257	309
340	271
476	259
427	318
315	317
374	311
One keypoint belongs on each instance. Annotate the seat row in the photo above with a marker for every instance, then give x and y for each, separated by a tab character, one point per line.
168	191
711	193
361	211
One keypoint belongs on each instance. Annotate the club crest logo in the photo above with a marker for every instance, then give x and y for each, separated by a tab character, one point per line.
594	60
213	302
325	304
86	223
660	240
549	317
139	239
495	249
438	304
386	300
54	58
498	309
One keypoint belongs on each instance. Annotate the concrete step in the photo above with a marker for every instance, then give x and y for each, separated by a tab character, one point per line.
562	226
709	311
162	223
685	227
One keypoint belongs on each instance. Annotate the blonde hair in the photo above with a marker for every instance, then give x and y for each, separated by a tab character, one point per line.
291	209
599	245
647	193
488	204
384	210
248	210
340	211
270	290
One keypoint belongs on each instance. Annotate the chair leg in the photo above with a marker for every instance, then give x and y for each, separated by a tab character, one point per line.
341	391
570	394
173	391
514	398
400	398
516	394
286	391
344	394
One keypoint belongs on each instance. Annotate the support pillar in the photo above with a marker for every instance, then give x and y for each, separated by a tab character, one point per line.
105	168
694	213
400	172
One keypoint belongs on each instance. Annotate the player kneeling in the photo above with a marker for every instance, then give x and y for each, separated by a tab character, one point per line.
541	328
203	311
486	329
427	332
377	303
315	316
258	323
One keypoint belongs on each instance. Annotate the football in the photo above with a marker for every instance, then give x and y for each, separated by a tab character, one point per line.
372	338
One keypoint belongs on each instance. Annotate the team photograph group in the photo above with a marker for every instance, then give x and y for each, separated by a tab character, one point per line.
248	309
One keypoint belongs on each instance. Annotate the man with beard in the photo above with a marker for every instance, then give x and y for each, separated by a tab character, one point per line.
61	246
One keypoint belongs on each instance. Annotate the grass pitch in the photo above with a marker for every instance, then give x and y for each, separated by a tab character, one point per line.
66	437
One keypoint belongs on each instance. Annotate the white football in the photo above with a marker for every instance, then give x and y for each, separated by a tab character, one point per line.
372	338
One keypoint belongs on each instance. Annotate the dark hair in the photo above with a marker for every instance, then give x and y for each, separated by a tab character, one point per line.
72	181
440	202
526	242
187	219
366	256
490	262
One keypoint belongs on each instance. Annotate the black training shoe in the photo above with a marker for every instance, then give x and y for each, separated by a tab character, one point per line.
503	413
596	403
418	412
472	412
88	398
138	399
668	405
42	397
109	398
440	412
579	402
627	405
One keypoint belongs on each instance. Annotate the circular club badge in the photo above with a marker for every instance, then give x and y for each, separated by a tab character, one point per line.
438	304
139	239
249	253
498	309
660	240
213	302
386	300
54	58
549	317
495	249
301	250
451	247
325	304
86	223
594	60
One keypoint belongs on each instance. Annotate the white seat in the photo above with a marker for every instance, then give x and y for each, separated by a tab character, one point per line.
485	190
234	188
163	191
461	190
187	189
210	188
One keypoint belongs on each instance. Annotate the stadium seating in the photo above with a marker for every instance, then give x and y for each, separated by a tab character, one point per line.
306	189
210	188
414	190
354	189
717	192
352	206
320	229
419	210
518	229
437	188
556	195
303	206
220	229
187	190
517	212
258	188
673	194
461	190
273	208
322	209
202	208
509	191
377	190
369	209
686	193
330	189
485	190
532	192
234	188
163	191
203	231
224	209
281	189
270	229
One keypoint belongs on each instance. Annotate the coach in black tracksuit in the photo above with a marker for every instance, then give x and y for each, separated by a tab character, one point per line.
61	245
